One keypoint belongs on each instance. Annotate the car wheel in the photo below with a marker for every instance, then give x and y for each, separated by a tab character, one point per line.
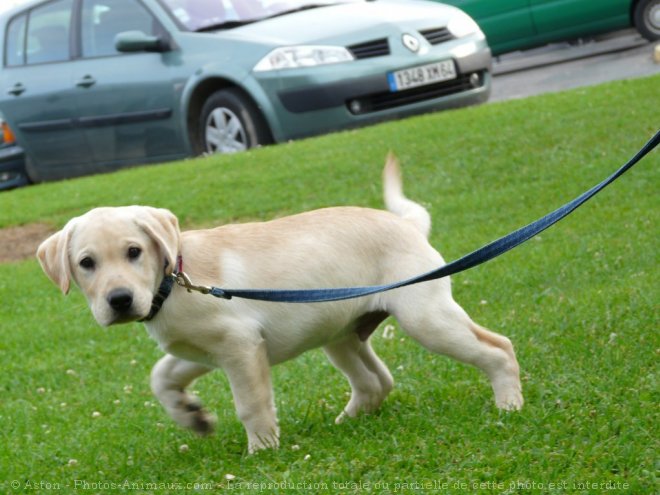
647	19
230	122
31	172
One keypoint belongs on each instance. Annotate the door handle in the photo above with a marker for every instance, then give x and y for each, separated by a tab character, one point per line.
17	90
86	82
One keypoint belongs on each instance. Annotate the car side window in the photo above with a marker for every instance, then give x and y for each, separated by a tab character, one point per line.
48	32
102	20
15	41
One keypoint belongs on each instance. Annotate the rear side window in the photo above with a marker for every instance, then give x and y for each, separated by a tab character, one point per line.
15	41
102	20
48	32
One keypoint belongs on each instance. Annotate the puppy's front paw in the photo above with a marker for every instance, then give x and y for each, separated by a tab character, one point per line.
200	420
191	414
511	400
258	442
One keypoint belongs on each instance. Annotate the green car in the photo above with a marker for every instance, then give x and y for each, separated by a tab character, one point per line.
519	24
94	85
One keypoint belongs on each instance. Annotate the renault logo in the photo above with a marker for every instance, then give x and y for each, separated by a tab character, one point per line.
410	42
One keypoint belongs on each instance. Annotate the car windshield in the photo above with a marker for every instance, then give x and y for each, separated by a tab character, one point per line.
208	15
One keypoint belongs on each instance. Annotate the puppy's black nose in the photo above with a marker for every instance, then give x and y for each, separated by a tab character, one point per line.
120	299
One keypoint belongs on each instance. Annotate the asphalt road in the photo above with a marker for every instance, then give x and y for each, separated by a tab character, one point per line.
557	67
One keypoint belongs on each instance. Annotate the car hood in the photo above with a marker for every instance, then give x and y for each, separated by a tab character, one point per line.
343	24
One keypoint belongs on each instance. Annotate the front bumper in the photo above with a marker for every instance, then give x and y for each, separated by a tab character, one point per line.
369	95
12	167
321	99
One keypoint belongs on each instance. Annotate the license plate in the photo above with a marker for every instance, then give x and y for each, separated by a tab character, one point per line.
422	75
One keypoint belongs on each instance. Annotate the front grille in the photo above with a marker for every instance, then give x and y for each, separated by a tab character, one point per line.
375	48
436	36
383	101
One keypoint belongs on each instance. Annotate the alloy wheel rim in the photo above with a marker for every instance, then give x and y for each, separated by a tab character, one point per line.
653	16
224	132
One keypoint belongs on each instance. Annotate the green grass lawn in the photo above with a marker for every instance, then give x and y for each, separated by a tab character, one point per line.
579	302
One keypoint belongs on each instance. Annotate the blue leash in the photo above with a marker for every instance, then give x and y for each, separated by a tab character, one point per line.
481	255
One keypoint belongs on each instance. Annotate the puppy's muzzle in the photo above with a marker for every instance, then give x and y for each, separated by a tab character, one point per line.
121	300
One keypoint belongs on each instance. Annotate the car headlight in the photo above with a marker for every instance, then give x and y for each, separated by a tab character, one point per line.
462	24
292	57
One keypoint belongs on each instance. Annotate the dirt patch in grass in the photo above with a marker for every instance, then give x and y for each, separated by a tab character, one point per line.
19	243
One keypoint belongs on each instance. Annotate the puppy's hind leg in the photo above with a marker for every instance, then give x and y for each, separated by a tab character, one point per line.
504	373
445	328
370	379
169	378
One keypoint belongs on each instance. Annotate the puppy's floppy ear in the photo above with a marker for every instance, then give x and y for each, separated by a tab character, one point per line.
163	227
53	255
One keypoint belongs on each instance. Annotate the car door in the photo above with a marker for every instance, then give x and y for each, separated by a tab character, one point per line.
561	19
39	99
506	23
127	102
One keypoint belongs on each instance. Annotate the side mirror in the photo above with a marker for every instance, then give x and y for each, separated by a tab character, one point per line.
137	41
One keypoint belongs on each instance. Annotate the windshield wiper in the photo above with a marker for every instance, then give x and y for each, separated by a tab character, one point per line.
224	25
300	9
235	24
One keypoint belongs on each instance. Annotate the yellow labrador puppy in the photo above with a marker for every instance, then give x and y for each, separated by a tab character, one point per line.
120	256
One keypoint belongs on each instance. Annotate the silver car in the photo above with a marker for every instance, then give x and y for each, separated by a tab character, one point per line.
93	85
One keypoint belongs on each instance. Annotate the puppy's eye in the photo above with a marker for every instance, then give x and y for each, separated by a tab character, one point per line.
134	253
87	263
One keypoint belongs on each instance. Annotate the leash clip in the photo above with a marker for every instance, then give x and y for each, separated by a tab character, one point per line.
183	280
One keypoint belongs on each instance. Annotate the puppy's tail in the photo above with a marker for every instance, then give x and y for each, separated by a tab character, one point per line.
397	203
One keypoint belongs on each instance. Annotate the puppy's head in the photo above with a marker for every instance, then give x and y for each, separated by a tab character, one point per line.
117	256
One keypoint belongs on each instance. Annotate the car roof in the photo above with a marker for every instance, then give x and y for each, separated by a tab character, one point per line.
17	6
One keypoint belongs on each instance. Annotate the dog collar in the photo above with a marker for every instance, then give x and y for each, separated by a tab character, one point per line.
164	289
163	293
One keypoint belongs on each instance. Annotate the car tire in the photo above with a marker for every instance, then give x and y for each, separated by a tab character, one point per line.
31	172
646	18
230	122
